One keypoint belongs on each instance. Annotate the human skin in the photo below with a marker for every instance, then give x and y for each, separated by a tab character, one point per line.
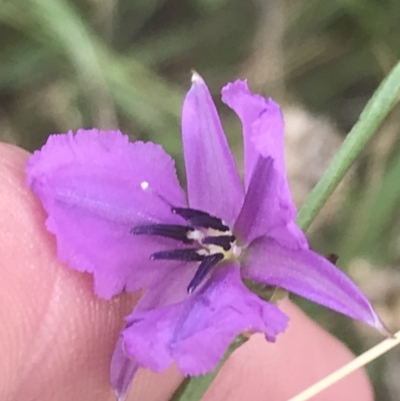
57	337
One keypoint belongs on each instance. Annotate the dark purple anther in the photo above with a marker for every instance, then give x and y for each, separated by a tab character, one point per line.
198	218
223	241
189	255
205	266
164	230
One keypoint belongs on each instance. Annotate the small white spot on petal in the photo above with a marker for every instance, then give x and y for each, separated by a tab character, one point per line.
144	185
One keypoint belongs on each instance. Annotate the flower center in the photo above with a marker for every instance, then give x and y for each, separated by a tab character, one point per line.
212	241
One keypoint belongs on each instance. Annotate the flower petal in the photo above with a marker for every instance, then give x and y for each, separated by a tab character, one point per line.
263	126
310	275
96	186
263	131
212	178
170	288
122	371
263	213
196	332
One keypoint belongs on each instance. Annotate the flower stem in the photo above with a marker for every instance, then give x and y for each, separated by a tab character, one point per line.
378	107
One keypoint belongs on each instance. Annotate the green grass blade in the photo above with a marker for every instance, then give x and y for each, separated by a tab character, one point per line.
378	107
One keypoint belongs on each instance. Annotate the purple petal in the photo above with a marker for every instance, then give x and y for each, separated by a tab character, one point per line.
122	371
262	211
310	275
263	131
196	332
169	289
212	178
262	125
96	186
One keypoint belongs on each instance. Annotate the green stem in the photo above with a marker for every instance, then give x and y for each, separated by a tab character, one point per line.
378	107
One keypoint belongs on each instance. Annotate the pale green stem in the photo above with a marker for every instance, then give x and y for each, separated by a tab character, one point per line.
378	107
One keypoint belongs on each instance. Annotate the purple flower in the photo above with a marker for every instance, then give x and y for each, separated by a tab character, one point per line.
118	211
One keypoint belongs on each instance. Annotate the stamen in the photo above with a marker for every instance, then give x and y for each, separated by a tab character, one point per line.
198	218
205	266
164	230
223	241
189	255
188	213
212	238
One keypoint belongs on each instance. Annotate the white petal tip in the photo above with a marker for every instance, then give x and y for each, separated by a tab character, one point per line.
381	327
120	397
196	77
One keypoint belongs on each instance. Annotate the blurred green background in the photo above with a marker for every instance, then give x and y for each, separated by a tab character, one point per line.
126	63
